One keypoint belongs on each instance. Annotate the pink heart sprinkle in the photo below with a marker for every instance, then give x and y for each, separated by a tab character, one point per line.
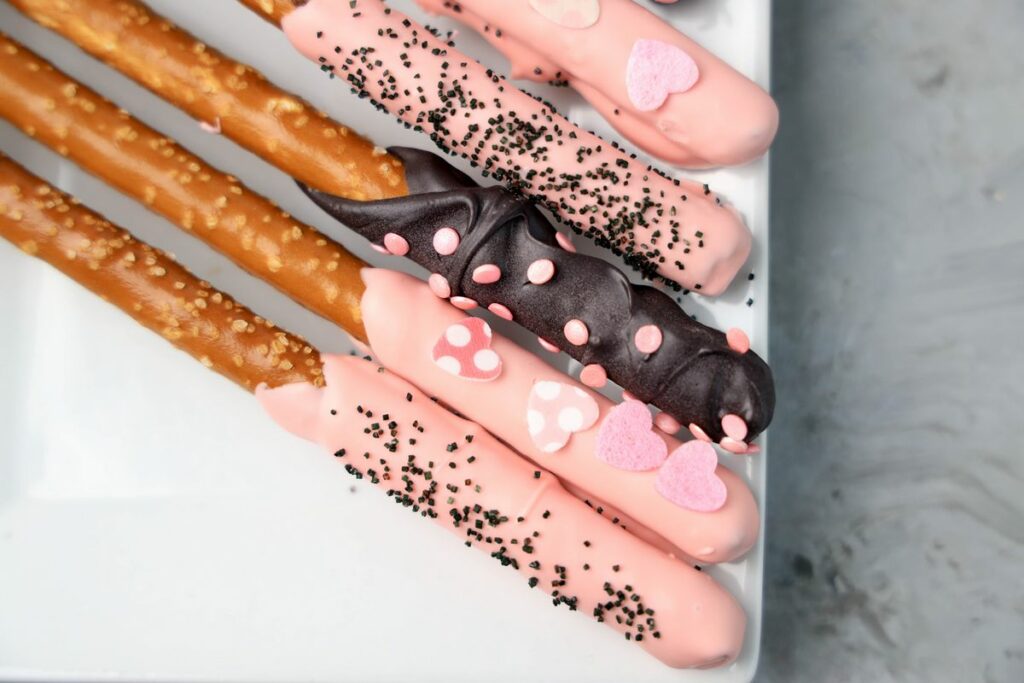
656	70
688	478
555	411
627	441
464	350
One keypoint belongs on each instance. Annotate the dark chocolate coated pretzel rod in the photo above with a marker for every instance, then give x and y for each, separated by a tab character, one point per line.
489	247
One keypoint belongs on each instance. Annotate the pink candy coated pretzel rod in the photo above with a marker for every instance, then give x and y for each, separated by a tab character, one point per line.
657	87
449	470
677	230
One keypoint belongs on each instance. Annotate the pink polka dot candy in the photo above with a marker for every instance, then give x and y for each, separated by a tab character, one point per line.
500	310
576	332
594	376
396	244
486	274
648	339
446	241
547	346
439	286
667	423
540	271
565	243
464	303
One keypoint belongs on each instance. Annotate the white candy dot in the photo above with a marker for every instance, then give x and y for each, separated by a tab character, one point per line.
552	447
486	360
570	419
548	391
458	335
534	422
449	365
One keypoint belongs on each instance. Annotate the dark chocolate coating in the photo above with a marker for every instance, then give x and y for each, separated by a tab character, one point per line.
694	376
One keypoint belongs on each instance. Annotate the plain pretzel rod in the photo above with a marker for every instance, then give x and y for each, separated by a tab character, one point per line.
214	207
227	96
150	286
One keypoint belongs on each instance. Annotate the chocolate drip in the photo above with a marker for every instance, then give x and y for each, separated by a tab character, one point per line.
694	376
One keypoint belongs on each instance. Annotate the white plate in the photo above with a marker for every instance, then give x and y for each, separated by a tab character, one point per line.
153	524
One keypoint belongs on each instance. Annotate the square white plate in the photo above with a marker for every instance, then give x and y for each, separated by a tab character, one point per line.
154	524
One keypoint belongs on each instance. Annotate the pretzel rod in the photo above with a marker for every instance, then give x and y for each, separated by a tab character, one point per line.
271	10
233	98
79	124
384	429
149	285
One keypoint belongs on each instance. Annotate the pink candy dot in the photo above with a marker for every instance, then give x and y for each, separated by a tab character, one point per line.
648	339
594	376
439	286
396	244
667	423
738	340
547	346
734	446
446	241
565	243
734	426
699	433
628	395
486	274
540	271
380	250
464	303
500	311
576	332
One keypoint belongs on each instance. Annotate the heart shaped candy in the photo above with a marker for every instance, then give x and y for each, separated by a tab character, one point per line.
464	350
627	441
656	70
688	478
569	13
555	411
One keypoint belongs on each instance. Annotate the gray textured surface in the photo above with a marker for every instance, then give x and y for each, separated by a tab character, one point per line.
896	483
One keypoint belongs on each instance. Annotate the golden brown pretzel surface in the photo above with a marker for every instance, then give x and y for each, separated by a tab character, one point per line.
271	10
149	286
215	207
275	125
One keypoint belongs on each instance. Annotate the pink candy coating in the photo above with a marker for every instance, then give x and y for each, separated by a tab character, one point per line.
738	340
594	376
576	332
565	243
446	241
486	274
547	346
667	423
396	244
439	286
540	271
500	311
735	427
648	339
464	303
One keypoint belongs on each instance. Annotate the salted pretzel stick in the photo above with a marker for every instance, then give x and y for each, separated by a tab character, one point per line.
480	489
232	97
271	10
149	285
79	124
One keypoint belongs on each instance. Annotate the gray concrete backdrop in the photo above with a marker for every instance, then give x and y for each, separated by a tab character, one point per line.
896	483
